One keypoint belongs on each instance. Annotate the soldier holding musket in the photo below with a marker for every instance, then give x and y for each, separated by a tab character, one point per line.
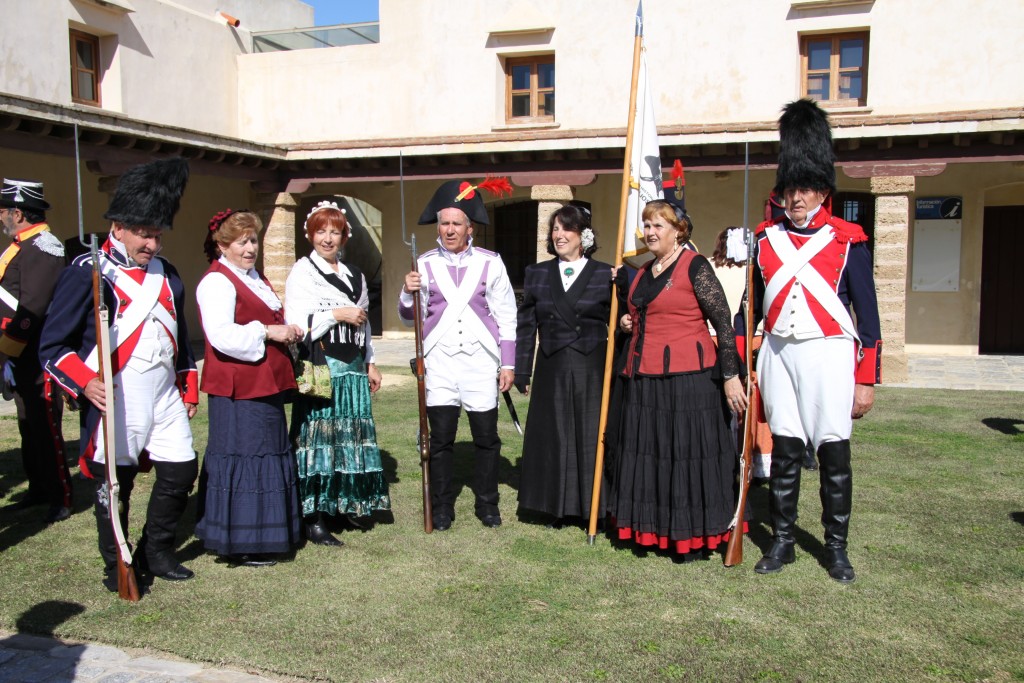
469	338
156	392
817	369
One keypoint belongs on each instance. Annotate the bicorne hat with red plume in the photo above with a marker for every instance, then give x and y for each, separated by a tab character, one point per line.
465	196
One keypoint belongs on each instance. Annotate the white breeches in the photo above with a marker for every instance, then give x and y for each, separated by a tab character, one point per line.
807	386
469	380
153	417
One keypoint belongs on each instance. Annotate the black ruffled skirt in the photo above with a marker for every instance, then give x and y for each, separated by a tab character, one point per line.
674	464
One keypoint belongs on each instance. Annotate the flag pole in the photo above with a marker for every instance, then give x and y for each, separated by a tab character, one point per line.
613	315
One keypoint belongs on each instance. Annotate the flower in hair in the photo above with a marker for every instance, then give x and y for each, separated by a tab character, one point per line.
320	206
587	238
219	219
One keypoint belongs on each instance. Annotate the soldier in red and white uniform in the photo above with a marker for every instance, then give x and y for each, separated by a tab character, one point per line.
155	380
817	368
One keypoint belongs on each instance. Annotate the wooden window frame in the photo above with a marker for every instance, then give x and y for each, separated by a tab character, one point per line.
834	72
535	91
76	37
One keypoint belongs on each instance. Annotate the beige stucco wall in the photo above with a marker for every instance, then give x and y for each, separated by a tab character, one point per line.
170	63
438	65
182	246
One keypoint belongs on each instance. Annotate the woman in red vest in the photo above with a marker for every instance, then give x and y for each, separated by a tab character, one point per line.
249	509
675	460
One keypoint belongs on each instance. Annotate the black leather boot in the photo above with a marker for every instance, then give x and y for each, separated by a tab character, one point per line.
316	531
104	531
836	503
784	493
444	422
487	443
174	481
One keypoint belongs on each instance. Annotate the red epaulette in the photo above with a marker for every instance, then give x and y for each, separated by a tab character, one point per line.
759	230
846	232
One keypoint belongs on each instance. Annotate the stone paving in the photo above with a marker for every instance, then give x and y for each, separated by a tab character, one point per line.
38	659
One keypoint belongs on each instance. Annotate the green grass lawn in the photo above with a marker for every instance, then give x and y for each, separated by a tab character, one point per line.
937	538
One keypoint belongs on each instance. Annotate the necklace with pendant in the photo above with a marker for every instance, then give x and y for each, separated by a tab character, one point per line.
660	265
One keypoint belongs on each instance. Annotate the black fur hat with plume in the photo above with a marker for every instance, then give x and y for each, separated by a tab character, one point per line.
806	157
149	195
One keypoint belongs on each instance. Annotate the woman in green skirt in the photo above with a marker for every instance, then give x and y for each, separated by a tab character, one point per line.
335	439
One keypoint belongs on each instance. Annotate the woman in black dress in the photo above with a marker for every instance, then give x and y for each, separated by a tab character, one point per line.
675	462
566	304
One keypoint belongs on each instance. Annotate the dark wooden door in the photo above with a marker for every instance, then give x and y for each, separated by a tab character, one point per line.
1002	281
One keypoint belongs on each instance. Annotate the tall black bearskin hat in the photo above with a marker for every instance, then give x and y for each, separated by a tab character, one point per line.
806	157
149	195
463	195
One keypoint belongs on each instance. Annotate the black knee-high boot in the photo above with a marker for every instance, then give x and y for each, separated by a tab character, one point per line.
784	491
104	531
836	503
487	443
444	422
174	481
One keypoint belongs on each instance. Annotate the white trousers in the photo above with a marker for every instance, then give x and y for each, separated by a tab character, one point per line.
149	414
807	387
469	380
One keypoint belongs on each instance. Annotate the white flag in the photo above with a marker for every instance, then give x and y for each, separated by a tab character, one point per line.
644	170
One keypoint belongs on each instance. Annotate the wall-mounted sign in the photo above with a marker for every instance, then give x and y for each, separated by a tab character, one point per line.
937	234
938	208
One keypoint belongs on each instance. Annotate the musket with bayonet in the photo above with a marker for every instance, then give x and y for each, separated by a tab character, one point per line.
734	549
418	367
127	585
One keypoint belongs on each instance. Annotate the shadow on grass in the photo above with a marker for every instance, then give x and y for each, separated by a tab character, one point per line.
1004	425
45	617
18	525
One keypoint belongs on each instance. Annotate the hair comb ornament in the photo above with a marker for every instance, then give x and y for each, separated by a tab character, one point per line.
320	206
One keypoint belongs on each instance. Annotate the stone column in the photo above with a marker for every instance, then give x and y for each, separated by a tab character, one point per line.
549	198
278	213
892	230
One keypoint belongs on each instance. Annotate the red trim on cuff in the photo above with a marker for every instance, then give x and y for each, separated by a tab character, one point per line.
188	385
75	370
869	367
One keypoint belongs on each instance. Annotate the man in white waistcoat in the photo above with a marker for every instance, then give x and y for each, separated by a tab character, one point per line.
469	332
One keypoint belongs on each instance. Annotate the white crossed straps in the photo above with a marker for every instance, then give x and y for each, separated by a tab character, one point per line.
796	264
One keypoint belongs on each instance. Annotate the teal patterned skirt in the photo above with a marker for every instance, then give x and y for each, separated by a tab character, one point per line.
339	464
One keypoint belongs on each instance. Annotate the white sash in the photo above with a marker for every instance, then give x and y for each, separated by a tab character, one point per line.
8	298
457	298
796	264
145	299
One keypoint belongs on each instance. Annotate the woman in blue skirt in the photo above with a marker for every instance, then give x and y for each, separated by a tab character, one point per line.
249	508
339	464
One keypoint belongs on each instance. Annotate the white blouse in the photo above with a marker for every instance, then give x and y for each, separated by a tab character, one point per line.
568	271
308	293
216	298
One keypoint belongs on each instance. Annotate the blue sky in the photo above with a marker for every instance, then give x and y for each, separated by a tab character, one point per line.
329	12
